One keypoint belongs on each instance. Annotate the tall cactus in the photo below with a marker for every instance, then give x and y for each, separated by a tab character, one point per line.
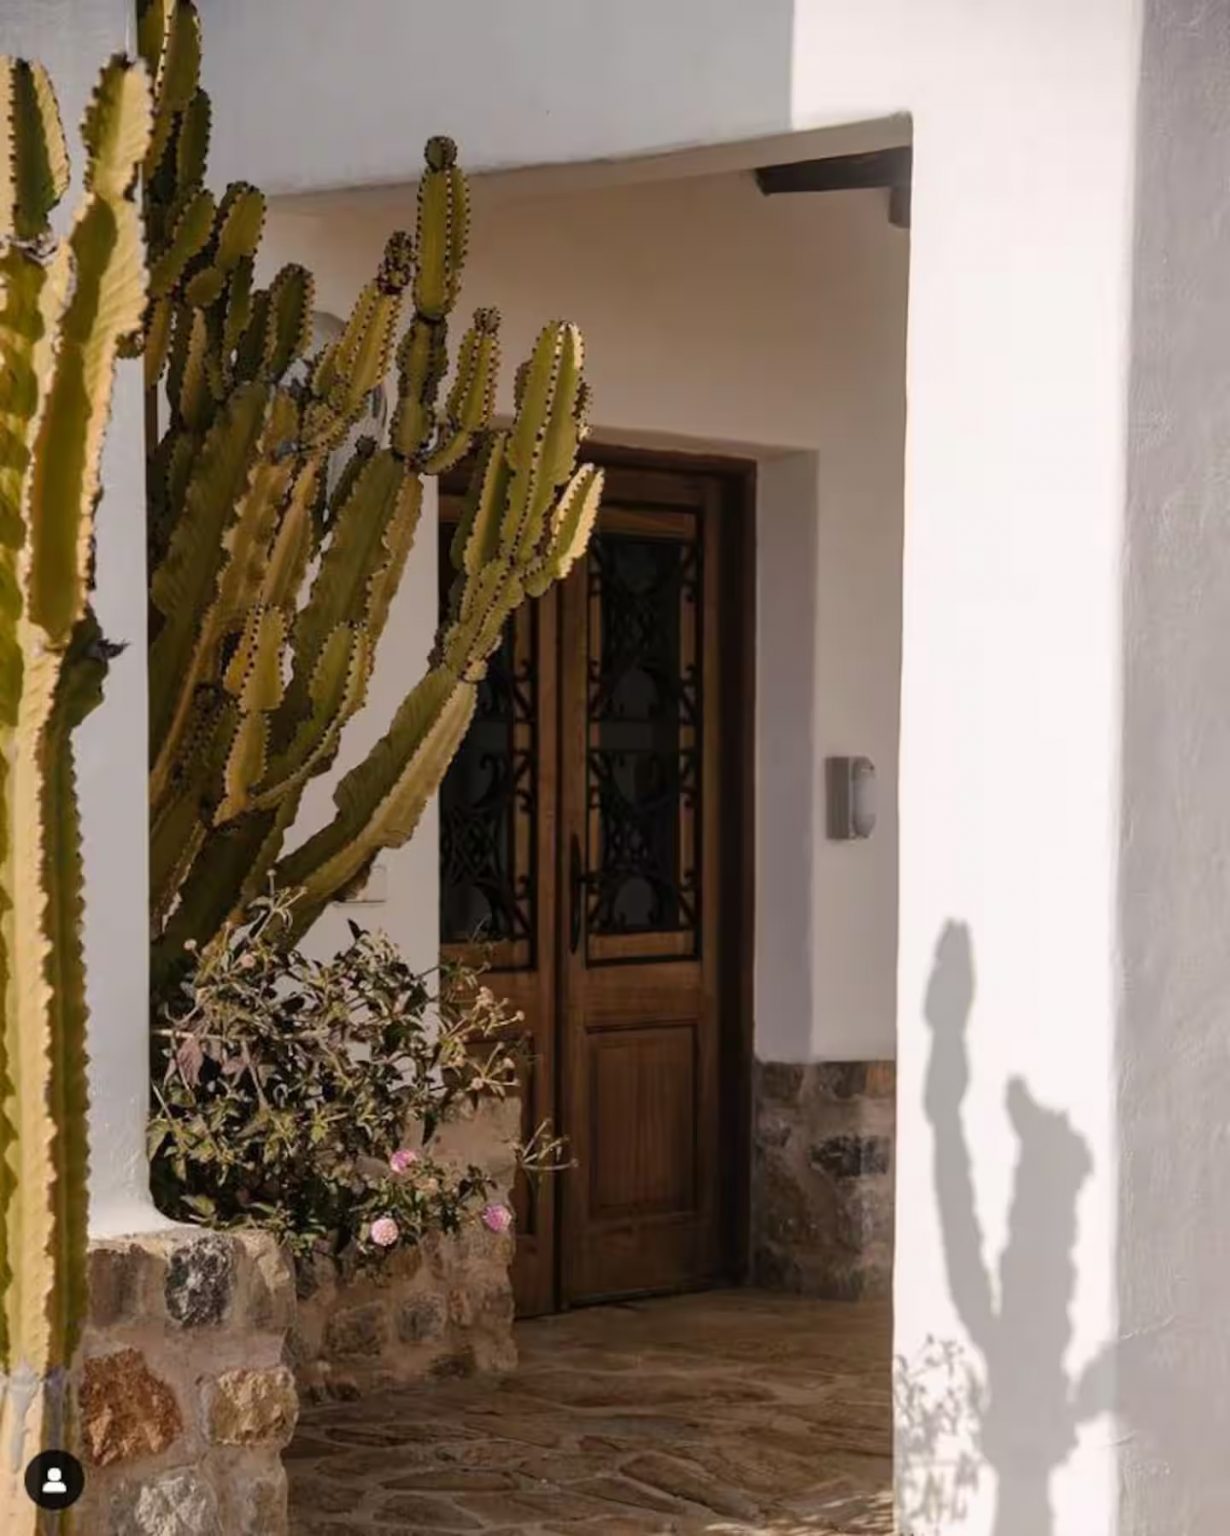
252	677
65	309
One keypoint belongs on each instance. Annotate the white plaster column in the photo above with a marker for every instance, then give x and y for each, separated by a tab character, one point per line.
1008	1148
1174	902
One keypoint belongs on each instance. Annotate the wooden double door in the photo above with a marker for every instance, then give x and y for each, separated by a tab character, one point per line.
593	848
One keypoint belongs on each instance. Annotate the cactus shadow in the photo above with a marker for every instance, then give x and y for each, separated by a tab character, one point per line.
1002	1400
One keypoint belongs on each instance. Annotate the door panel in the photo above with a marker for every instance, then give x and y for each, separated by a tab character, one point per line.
638	1026
580	831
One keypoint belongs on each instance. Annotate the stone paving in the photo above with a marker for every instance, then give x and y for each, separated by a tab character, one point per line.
735	1412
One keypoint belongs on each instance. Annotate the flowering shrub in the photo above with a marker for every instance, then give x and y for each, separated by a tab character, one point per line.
293	1087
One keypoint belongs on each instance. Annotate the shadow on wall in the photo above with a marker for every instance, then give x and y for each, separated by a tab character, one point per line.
1017	1410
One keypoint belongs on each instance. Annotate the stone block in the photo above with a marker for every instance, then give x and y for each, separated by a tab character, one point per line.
268	1284
251	1407
117	1276
852	1156
840	1079
262	1508
773	1129
881	1080
449	1367
865	1215
179	1503
126	1410
200	1281
822	1178
779	1082
421	1319
362	1330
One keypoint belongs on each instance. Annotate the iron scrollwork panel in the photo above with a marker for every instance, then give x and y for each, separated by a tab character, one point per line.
488	804
643	741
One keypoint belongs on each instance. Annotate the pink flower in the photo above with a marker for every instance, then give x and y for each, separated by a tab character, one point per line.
497	1218
384	1232
402	1159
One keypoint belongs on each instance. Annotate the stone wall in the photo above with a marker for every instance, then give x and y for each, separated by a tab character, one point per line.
185	1402
822	1191
442	1309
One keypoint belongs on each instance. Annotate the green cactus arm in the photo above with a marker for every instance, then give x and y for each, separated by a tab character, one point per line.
37	1260
231	867
234	238
338	686
33	295
78	692
157	341
238	304
254	680
177	831
422	356
288	324
476	539
337	689
241	220
43	1118
192	142
188	388
356	547
34	171
380	801
471	400
236	575
169	38
189	236
422	362
547	430
34	292
569	526
398	542
349	369
183	586
60	332
294	544
442	232
106	304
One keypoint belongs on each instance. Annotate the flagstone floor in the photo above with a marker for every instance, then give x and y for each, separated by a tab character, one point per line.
735	1412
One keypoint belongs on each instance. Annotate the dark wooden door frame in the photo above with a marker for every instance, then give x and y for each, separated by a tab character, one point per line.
737	664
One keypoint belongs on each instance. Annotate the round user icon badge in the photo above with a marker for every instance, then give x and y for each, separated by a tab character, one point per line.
55	1480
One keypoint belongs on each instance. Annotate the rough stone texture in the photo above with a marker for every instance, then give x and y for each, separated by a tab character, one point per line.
737	1411
823	1178
185	1402
200	1279
251	1407
354	1331
443	1309
177	1504
117	1284
126	1411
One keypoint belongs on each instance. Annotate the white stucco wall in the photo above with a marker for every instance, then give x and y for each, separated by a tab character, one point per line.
1024	123
74	38
1174	1240
717	318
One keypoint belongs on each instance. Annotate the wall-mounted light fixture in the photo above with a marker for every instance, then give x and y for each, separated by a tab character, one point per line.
851	783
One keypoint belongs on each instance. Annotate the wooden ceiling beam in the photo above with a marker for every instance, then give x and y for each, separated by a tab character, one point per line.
889	168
